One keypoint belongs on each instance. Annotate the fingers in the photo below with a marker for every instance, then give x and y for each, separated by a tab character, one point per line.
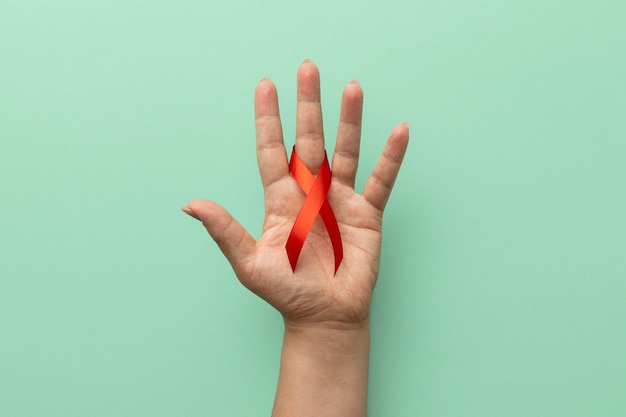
234	241
379	184
309	129
346	156
270	149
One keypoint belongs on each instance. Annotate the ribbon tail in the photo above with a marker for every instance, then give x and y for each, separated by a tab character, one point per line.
330	221
293	247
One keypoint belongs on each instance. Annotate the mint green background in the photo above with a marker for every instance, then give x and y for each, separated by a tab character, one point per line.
503	282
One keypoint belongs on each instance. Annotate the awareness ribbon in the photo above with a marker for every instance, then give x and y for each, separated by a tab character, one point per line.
316	189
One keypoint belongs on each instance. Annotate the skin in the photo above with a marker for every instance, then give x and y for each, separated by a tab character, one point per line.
324	362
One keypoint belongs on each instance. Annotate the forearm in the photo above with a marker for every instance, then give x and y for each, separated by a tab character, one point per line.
323	372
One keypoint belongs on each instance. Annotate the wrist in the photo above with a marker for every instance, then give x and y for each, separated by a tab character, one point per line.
323	370
337	339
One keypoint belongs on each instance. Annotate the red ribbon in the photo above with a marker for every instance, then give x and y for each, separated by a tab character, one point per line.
316	189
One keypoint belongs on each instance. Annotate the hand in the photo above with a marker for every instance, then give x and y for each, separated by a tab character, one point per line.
312	295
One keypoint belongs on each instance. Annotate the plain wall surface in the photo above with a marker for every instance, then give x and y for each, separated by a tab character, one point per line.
502	290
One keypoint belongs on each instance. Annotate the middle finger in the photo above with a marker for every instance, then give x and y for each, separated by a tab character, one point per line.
309	127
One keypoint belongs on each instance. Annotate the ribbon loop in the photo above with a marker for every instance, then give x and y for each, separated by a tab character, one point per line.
316	189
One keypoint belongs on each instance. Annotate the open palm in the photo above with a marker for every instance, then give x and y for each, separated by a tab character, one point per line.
312	294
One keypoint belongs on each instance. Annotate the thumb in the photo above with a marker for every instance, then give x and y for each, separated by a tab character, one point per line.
236	243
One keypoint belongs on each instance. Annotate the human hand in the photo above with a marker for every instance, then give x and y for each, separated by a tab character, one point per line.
312	295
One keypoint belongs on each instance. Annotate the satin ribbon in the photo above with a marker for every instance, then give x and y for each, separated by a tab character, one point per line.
316	189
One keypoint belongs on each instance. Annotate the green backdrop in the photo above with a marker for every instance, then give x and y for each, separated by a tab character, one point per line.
503	283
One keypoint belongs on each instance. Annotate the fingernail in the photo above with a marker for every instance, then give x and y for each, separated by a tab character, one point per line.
190	212
355	81
307	61
408	126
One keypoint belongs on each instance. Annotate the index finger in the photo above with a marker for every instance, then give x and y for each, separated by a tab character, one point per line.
270	148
